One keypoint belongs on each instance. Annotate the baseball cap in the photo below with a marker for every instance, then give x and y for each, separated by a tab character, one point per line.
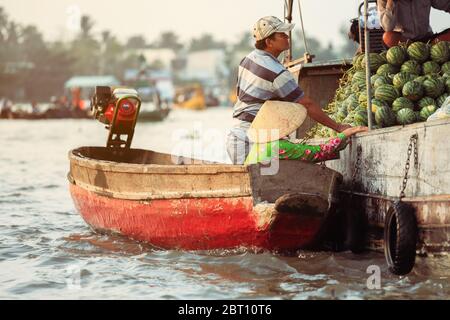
266	26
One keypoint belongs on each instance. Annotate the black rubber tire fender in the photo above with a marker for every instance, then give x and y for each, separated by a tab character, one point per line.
400	238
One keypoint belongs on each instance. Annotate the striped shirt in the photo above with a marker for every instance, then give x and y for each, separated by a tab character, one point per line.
262	77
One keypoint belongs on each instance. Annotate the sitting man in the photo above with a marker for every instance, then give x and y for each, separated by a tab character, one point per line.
404	20
262	77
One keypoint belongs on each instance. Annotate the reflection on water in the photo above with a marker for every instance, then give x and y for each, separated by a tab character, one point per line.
48	251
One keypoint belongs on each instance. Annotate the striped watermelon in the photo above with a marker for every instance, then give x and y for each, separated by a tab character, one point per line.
440	52
360	118
420	79
441	99
374	78
406	116
381	80
412	90
357	61
383	56
447	85
426	101
349	118
362	99
359	76
433	87
411	66
386	92
376	103
396	56
418	51
358	87
384	117
375	61
445	68
402	103
387	69
348	91
417	113
431	67
427	111
401	78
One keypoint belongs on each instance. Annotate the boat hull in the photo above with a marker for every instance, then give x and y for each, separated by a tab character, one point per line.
198	223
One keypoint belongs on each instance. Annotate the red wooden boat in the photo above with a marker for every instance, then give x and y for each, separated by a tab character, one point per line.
179	203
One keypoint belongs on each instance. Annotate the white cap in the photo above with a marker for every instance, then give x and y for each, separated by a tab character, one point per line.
267	26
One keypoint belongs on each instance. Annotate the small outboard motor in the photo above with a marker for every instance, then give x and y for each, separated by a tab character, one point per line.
118	109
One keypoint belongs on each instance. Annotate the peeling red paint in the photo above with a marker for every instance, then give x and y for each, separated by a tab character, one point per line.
195	223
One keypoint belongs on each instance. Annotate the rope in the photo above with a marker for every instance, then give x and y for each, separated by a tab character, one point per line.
303	28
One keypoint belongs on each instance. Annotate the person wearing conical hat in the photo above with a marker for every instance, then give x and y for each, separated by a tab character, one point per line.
261	77
270	129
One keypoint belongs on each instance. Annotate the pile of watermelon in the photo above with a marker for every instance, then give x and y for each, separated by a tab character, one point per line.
409	83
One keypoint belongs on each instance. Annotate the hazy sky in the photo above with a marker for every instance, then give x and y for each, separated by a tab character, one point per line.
225	19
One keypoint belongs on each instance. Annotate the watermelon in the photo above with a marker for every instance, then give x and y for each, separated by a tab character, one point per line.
355	58
447	85
412	90
430	67
441	99
411	66
402	103
386	92
387	69
427	111
440	52
347	91
376	103
426	101
374	78
401	78
396	56
349	118
383	56
357	61
420	79
418	51
381	80
406	116
360	118
352	106
433	87
384	117
417	113
362	99
358	86
358	77
445	68
375	61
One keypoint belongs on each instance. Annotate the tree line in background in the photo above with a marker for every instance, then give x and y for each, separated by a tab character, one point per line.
33	69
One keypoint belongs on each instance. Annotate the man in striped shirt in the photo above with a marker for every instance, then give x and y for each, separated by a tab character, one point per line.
262	77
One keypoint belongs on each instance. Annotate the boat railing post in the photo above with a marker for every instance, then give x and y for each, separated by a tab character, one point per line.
367	56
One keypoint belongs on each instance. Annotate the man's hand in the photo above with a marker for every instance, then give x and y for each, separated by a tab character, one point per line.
354	130
342	127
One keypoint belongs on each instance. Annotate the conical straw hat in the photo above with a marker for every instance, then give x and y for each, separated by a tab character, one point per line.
275	120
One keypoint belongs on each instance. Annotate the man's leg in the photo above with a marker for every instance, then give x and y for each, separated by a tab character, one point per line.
392	38
237	149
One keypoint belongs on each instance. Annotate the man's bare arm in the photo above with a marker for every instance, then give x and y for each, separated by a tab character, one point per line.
386	14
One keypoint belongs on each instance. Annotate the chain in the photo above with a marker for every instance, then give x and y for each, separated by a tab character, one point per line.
357	167
412	142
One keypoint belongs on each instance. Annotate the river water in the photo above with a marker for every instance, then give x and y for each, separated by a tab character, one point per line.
48	252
